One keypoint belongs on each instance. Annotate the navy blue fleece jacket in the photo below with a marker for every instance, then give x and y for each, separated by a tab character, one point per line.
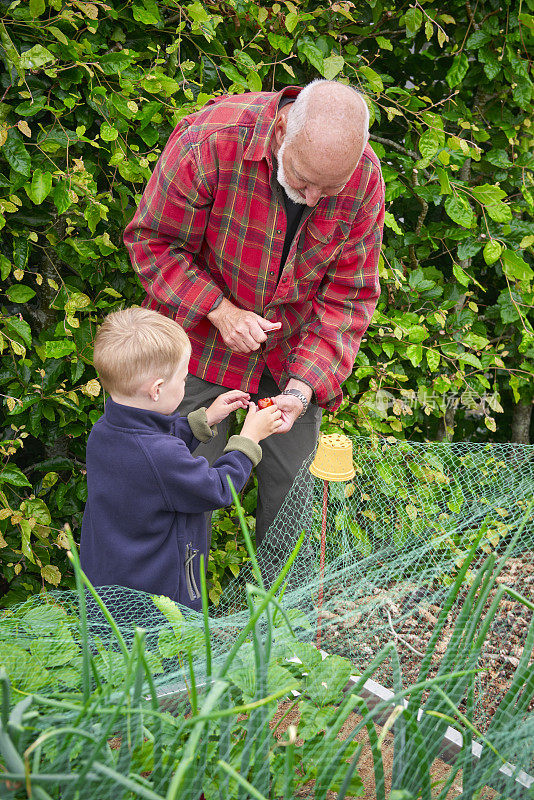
144	525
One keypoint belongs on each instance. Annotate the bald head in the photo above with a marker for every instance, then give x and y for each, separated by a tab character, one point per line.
330	114
321	138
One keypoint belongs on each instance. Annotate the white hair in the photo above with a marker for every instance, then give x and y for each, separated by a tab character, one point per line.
298	111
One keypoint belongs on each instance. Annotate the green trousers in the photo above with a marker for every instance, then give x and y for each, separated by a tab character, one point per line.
283	453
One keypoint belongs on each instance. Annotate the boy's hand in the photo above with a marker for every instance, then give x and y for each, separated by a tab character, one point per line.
224	404
259	425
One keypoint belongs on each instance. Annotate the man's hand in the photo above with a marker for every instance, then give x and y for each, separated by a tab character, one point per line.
242	331
291	409
224	404
290	406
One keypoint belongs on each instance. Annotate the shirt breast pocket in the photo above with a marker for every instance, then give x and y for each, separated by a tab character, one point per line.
320	244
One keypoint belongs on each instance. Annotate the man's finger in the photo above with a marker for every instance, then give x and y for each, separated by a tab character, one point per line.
267	326
236	404
256	331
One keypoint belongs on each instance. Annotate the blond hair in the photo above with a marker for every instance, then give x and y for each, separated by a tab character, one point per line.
136	344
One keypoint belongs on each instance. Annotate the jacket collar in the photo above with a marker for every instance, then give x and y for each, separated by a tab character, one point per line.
138	418
260	142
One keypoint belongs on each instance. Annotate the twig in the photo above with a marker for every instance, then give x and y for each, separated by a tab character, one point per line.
399	637
394	145
420	221
471	16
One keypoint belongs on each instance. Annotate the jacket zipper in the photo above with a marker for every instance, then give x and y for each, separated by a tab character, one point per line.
192	588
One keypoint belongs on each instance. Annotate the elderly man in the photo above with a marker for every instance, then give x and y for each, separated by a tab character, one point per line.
259	231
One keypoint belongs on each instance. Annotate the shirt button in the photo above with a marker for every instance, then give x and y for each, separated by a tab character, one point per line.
271	272
279	230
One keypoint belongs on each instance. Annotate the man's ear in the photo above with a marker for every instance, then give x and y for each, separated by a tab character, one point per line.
280	127
154	389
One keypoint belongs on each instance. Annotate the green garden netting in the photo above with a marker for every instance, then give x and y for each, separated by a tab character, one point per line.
419	568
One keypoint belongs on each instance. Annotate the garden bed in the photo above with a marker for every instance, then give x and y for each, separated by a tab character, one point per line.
440	770
411	630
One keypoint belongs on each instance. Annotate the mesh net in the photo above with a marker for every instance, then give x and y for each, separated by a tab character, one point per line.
412	572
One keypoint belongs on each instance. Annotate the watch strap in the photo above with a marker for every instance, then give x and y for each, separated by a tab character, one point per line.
302	397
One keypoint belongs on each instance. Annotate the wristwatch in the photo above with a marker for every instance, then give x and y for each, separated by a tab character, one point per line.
302	397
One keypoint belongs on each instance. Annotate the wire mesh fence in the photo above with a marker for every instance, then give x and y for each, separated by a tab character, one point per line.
419	568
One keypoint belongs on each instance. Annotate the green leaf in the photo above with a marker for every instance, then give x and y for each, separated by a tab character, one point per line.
391	222
415	353
458	70
444	182
373	79
21	250
433	358
325	681
291	21
233	73
37	508
474	340
499	158
93	215
60	36
115	63
51	574
471	359
413	19
283	43
515	267
384	44
492	251
488	193
492	66
459	210
41	186
461	276
108	133
499	212
477	39
13	475
20	328
333	66
469	248
19	293
313	719
313	54
61	197
5	267
59	349
254	81
429	144
16	154
37	8
142	15
37	56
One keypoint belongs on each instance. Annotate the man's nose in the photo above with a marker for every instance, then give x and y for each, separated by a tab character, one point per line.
312	195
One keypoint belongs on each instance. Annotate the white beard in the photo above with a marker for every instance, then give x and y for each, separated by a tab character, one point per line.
282	180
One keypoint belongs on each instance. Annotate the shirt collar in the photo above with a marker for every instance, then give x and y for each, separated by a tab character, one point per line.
260	143
139	418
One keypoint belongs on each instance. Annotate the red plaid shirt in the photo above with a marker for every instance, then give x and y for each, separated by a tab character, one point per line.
212	222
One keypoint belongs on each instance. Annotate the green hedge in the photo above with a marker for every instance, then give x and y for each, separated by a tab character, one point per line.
89	93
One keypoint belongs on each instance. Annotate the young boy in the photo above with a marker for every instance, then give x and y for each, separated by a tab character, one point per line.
144	525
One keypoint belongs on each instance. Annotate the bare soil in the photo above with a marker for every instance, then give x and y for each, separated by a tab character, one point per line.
499	658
